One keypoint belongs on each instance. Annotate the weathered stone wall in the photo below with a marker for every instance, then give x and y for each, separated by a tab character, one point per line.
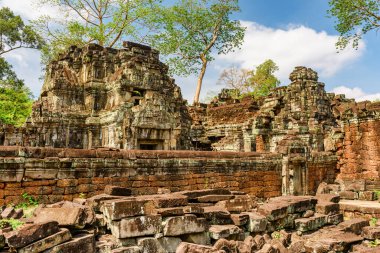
57	174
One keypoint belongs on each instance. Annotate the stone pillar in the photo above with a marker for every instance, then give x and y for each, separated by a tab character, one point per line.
260	144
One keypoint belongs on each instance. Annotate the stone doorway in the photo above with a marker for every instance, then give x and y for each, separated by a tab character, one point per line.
150	145
297	178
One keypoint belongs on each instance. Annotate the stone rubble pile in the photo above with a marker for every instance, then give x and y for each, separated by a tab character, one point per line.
214	221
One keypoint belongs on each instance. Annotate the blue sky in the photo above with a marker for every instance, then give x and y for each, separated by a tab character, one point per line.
291	32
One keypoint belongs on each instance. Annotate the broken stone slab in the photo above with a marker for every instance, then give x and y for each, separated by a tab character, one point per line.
73	216
241	203
19	213
181	225
295	204
278	246
124	208
136	226
335	219
223	231
214	198
367	195
364	249
80	243
335	198
171	211
256	222
267	248
150	245
216	215
331	241
48	242
193	209
193	195
131	249
8	213
371	233
327	208
169	244
355	225
273	211
240	219
348	195
95	202
30	233
197	238
166	200
259	240
310	224
114	190
185	247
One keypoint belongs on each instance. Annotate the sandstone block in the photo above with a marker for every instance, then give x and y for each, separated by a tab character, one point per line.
30	233
169	244
240	219
214	198
193	195
2	240
241	203
136	226
95	202
223	231
256	222
47	242
70	216
185	247
335	219
171	211
348	195
114	190
8	213
132	249
273	211
181	225
81	243
328	198
367	195
150	245
123	208
197	238
327	208
371	233
354	225
310	224
216	215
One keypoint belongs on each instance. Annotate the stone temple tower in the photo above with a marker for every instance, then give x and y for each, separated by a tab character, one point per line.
103	97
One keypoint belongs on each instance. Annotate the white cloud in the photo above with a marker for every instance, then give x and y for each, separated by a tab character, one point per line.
30	9
291	47
357	93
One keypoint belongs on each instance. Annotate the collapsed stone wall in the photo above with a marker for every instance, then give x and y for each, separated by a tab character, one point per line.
63	174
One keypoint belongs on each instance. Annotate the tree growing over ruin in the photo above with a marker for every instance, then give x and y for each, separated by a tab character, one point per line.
354	19
255	83
192	30
105	22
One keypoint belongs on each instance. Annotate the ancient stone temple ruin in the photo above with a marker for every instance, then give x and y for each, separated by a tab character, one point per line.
124	165
103	97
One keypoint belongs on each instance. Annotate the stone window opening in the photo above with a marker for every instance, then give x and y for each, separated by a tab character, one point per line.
137	94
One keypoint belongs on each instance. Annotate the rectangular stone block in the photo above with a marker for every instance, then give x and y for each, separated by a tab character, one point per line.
328	198
123	208
136	226
327	208
310	224
81	243
182	225
371	233
48	242
354	225
217	232
348	195
256	222
273	211
335	219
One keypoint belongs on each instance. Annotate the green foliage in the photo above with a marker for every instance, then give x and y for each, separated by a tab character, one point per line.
191	30
15	34
82	195
30	201
354	19
106	22
374	244
377	194
262	80
13	223
15	99
373	222
276	235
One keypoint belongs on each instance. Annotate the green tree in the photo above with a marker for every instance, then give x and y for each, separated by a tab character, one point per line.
354	19
106	22
192	30
15	34
15	98
262	79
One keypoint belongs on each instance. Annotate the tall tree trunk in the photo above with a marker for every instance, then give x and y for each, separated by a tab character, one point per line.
200	80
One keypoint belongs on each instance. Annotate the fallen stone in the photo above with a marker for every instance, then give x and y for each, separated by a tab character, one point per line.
267	248
95	202
185	247
241	203
2	240
197	238
335	219
371	233
8	213
295	204
193	209
259	240
348	195
169	244
171	211
223	231
150	245
136	226
124	208
18	214
216	215
335	198
47	242
193	195
354	225
181	225
327	208
256	222
117	190
367	195
30	233
70	216
331	241
214	198
240	219
297	247
166	200
273	211
308	214
81	243
310	224
279	246
80	201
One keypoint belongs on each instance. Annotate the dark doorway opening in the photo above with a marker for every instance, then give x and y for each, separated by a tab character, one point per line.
148	146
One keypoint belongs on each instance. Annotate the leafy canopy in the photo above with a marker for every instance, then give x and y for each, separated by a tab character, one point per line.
192	30
15	34
354	19
106	22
